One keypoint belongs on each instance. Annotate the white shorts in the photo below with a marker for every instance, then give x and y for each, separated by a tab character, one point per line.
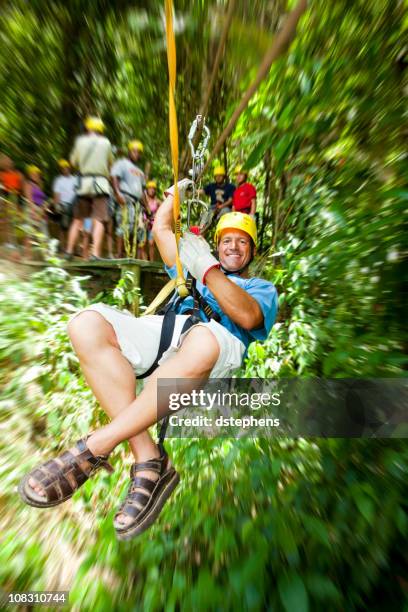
139	338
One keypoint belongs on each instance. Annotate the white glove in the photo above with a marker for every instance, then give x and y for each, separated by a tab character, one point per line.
183	185
196	256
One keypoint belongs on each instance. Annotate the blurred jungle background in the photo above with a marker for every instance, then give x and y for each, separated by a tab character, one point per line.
276	524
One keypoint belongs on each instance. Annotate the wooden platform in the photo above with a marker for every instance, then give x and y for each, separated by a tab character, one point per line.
147	275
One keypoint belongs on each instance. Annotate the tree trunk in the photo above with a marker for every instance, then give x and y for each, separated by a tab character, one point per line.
71	111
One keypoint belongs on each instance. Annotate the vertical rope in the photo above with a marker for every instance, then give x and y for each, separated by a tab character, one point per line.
172	62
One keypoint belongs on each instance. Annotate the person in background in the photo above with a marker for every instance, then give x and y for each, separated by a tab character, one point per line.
36	221
244	198
11	189
128	182
220	192
11	180
153	204
92	155
64	194
142	226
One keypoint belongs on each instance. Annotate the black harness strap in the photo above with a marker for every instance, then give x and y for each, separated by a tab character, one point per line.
192	320
169	321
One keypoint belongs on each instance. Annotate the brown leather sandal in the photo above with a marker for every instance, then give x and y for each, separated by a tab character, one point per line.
144	507
61	481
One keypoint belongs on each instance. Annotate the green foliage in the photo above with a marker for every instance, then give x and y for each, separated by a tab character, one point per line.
326	127
279	524
256	524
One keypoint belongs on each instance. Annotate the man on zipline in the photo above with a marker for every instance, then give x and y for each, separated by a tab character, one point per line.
128	182
92	156
113	347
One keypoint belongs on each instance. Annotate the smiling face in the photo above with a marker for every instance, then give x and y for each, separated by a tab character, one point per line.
234	249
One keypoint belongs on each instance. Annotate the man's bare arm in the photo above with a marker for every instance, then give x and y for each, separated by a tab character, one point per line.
237	304
163	232
115	184
224	204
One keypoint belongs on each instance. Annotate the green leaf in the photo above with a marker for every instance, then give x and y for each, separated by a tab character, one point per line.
317	529
365	506
292	593
257	153
322	587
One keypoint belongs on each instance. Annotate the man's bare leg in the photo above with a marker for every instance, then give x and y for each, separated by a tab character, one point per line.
107	370
188	362
142	412
109	374
151	250
75	228
98	231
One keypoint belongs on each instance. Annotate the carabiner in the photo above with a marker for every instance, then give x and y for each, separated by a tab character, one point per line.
198	152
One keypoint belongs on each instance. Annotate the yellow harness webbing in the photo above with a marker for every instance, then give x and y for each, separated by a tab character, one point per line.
171	61
178	282
161	297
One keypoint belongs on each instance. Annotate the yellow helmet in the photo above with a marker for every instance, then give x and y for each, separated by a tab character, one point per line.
64	163
219	170
136	144
151	185
33	169
94	124
236	220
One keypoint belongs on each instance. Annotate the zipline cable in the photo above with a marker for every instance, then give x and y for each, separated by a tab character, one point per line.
280	44
278	47
204	105
227	24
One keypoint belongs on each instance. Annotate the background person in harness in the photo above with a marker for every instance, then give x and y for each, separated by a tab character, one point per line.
153	204
128	182
114	346
244	198
35	226
92	155
220	192
64	193
11	190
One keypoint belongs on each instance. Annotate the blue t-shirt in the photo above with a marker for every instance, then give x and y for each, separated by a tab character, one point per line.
219	193
261	290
